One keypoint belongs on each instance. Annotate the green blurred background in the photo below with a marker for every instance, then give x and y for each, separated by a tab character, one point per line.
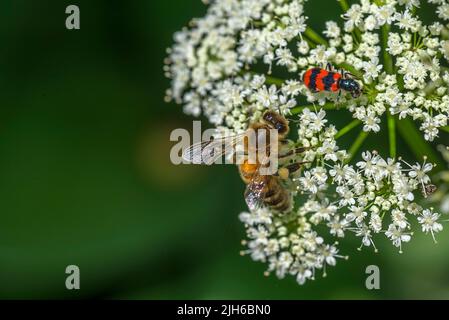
85	176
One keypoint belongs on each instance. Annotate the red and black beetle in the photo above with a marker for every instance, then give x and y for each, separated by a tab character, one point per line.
317	79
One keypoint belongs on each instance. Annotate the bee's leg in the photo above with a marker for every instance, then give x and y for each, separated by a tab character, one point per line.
284	146
301	150
294	152
294	167
290	169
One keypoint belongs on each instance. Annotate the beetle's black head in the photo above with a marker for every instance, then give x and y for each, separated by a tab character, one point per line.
351	86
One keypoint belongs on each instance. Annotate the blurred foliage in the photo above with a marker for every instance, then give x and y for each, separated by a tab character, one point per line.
85	176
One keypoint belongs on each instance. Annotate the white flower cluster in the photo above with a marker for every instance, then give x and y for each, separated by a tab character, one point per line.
226	67
401	61
288	244
376	196
209	63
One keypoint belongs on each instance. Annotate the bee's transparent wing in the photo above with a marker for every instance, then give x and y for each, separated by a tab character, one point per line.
255	192
194	153
207	152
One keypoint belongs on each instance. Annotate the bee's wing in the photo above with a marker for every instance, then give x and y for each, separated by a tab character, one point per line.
255	192
194	153
207	152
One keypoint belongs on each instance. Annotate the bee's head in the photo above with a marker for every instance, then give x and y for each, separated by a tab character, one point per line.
276	121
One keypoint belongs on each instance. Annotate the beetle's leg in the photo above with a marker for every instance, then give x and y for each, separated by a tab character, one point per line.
340	95
350	75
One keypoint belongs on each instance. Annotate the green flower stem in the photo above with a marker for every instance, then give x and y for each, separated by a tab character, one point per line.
268	79
311	44
344	5
388	64
326	106
388	61
357	144
421	148
347	128
445	128
273	80
315	37
392	134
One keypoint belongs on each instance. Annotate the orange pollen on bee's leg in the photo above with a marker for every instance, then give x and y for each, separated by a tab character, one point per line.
283	173
249	168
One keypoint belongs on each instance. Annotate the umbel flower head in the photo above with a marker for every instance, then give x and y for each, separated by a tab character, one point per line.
227	66
373	198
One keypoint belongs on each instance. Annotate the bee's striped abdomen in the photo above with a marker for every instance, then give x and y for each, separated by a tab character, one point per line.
277	198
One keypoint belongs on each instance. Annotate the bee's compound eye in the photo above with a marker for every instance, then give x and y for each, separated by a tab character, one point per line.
279	127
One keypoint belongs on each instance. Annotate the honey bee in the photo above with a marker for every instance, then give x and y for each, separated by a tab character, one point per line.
261	189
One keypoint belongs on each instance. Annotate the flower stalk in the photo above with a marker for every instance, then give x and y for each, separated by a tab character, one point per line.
417	144
315	37
326	106
392	134
273	80
344	5
357	145
353	124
